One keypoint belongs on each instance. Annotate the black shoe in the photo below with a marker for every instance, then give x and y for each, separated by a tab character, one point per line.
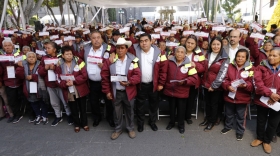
274	139
169	126
56	121
181	130
111	123
239	137
17	119
209	127
189	121
154	127
95	123
204	123
70	120
225	130
11	119
140	128
1	118
45	121
37	120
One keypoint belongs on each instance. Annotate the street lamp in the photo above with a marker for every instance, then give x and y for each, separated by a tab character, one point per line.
121	12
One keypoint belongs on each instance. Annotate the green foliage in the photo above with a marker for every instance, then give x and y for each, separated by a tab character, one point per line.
229	6
51	3
213	10
112	14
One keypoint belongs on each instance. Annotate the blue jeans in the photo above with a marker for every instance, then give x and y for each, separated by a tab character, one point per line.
40	108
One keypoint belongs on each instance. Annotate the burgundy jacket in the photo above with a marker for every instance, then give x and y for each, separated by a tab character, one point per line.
243	95
78	69
182	72
258	54
133	73
265	79
215	74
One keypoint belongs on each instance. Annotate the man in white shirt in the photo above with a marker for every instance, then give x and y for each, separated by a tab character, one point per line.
153	65
94	55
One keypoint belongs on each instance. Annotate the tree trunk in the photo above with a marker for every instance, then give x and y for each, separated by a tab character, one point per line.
15	19
60	5
73	12
50	9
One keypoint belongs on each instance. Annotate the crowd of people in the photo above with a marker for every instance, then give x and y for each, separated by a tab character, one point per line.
63	67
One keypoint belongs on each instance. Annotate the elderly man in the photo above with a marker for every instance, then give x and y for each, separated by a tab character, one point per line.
153	64
122	91
94	55
13	85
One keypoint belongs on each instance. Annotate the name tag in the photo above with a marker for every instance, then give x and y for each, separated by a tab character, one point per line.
11	72
51	75
51	61
94	60
92	70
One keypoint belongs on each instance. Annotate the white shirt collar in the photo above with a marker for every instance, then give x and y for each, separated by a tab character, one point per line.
100	49
125	58
235	48
149	52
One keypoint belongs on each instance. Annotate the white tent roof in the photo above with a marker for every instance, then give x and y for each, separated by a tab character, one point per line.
136	3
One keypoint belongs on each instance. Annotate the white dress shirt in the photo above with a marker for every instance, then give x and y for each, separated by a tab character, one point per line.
232	52
92	68
147	65
212	58
190	56
120	70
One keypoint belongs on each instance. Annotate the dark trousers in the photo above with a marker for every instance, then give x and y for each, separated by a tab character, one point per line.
265	133
213	100
79	111
26	105
146	92
240	111
40	108
190	104
15	96
123	106
181	107
94	96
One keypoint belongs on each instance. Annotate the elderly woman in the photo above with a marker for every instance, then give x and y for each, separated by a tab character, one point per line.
180	76
215	71
267	80
260	54
237	95
34	87
74	90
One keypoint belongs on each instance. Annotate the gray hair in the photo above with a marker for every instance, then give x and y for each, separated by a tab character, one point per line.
26	47
7	41
29	53
269	41
181	47
276	49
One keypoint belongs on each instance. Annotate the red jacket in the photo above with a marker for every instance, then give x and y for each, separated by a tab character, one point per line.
80	74
243	95
183	72
265	79
44	73
258	54
160	65
199	59
133	76
215	74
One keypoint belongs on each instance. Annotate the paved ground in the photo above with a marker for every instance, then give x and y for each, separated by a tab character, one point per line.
27	139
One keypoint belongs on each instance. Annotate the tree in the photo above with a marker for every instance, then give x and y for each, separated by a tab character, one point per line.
229	6
112	14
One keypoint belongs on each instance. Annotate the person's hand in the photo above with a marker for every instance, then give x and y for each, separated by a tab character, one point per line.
112	57
163	37
69	83
100	65
159	88
52	66
19	63
81	47
270	101
243	85
275	97
109	96
28	77
231	89
254	30
124	83
193	64
210	89
47	66
70	43
256	40
180	83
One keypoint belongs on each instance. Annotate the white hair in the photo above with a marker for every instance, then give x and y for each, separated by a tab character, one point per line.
26	47
29	53
181	47
7	41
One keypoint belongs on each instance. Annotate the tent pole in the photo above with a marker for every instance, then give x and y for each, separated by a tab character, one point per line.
260	12
22	15
202	8
3	13
95	14
223	20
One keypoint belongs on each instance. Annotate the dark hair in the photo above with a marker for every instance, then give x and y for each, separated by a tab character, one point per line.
225	38
54	45
145	34
65	49
274	26
273	38
194	38
95	31
217	39
242	51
